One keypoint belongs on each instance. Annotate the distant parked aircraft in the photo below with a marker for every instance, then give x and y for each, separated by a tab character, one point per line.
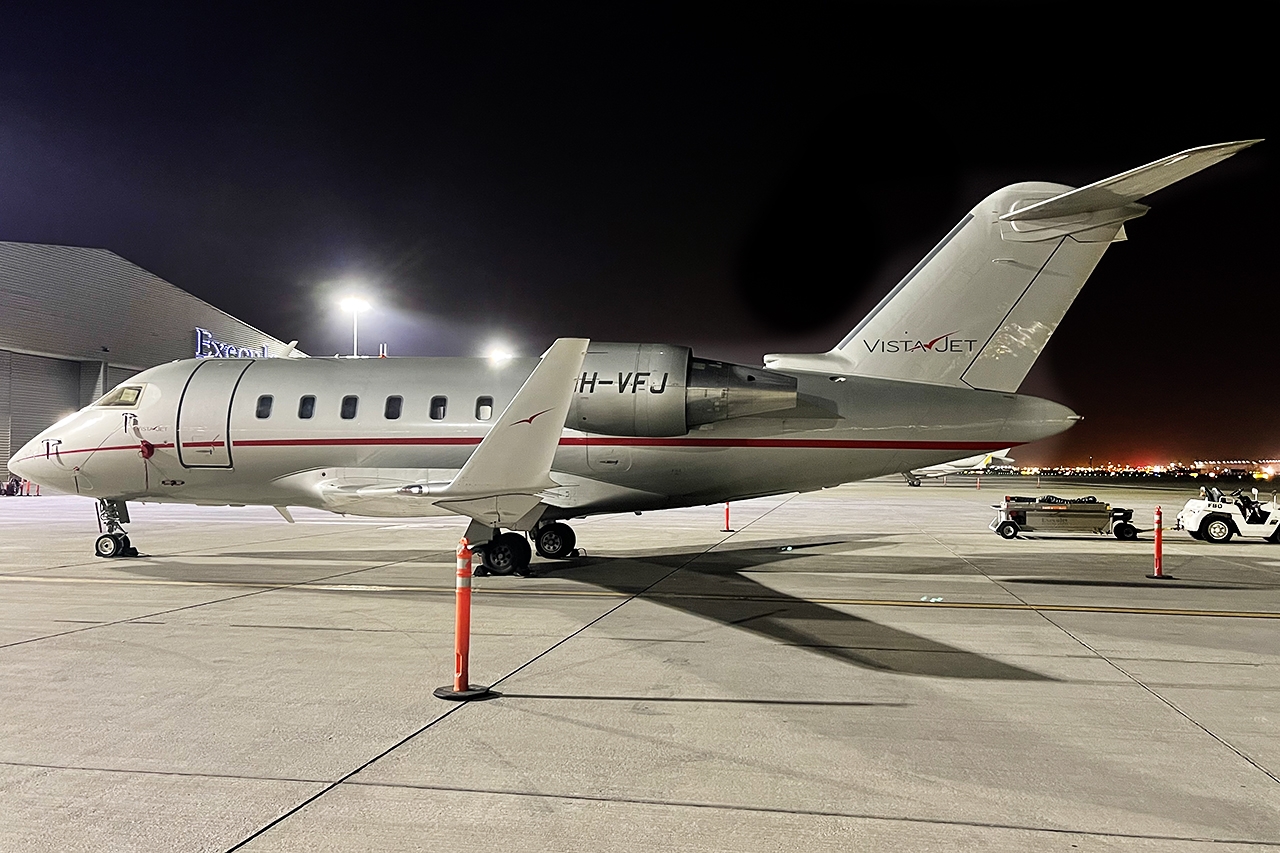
969	463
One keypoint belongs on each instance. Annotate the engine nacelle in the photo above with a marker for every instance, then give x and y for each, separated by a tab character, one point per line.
662	390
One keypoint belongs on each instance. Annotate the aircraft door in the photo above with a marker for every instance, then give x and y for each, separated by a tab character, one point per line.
204	413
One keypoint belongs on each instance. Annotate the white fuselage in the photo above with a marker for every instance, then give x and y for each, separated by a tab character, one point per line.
198	437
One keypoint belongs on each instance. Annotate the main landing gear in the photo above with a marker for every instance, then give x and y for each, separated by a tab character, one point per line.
115	542
509	553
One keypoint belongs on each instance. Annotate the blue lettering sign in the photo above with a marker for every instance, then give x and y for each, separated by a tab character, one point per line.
207	346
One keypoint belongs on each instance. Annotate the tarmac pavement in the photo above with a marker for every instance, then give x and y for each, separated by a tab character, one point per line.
862	668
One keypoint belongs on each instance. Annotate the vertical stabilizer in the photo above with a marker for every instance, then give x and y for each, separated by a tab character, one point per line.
981	306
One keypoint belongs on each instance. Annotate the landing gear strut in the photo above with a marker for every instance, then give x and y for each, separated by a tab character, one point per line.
113	515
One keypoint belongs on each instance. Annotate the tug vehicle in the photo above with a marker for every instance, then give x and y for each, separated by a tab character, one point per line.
1052	514
1216	517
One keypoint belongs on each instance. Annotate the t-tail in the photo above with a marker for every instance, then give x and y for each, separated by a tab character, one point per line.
981	306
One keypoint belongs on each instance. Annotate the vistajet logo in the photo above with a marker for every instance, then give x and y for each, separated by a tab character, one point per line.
942	344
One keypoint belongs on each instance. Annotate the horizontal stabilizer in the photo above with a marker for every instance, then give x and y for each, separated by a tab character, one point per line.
1128	187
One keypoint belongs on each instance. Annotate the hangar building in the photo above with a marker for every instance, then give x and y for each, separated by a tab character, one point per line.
76	322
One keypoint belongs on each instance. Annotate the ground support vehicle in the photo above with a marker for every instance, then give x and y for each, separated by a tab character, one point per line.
1216	517
1052	514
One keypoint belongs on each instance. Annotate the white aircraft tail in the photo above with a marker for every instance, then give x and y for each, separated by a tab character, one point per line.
979	309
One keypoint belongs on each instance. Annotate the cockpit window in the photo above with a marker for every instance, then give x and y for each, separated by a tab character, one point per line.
125	395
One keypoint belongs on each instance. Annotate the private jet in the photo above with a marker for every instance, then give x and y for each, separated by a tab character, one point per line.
520	447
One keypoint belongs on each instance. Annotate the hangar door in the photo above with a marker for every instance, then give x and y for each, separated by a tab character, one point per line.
41	392
204	413
4	414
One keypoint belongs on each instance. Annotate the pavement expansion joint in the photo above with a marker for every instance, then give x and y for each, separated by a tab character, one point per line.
832	813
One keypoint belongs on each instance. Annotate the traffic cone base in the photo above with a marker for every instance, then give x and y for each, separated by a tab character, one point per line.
472	693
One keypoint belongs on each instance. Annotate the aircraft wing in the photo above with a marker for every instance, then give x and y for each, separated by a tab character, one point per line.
500	483
503	480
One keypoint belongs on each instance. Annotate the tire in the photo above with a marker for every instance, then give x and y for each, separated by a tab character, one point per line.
1196	534
1007	529
555	541
1125	532
108	545
508	554
1216	529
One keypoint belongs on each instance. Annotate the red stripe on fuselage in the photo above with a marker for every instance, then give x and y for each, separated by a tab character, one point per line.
456	441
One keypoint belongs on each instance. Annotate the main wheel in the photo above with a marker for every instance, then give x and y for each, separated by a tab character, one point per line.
1216	529
555	541
507	554
1008	529
1124	531
109	545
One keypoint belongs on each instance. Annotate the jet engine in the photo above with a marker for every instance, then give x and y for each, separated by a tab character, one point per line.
661	390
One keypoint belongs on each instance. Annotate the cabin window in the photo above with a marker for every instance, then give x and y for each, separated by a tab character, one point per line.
484	408
438	406
392	410
264	406
349	406
307	407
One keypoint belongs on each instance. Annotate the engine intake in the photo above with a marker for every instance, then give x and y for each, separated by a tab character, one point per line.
661	390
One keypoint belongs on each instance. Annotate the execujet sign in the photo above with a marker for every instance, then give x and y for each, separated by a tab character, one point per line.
207	346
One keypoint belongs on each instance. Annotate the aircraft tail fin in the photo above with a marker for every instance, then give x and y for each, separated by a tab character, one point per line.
501	479
981	306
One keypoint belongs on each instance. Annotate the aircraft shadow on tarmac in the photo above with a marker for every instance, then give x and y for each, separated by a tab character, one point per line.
710	585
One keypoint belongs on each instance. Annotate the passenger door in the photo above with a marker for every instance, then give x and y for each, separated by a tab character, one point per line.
204	413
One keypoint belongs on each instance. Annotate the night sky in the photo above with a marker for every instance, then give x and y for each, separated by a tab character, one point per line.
743	182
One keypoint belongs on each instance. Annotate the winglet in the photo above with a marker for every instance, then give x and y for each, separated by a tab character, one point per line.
515	457
1128	187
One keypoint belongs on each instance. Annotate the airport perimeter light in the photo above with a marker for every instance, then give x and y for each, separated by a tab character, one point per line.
355	305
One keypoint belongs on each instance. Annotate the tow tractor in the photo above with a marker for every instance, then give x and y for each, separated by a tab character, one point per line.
1062	515
1217	517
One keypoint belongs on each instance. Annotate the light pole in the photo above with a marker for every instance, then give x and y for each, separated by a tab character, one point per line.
355	305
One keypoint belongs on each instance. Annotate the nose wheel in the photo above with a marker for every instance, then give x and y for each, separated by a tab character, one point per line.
113	515
114	545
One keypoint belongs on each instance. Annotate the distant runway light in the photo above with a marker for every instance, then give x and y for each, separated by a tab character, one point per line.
499	353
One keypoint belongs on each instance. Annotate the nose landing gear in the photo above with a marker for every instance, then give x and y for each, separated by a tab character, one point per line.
113	515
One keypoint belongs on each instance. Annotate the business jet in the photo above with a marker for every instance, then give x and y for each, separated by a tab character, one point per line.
976	462
521	446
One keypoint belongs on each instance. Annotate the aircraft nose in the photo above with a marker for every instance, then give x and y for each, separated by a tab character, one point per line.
28	462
